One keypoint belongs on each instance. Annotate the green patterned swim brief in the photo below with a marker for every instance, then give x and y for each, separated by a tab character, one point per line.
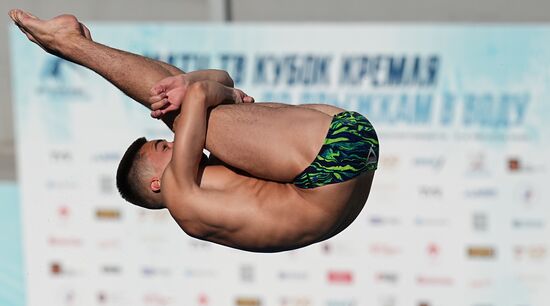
350	148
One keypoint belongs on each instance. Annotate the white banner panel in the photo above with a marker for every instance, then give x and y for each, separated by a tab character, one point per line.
458	211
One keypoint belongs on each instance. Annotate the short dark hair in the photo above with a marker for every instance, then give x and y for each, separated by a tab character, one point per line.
128	176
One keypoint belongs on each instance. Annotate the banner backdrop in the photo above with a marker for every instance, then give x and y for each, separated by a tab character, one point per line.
457	214
12	291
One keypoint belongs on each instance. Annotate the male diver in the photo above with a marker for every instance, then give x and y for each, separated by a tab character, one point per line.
279	176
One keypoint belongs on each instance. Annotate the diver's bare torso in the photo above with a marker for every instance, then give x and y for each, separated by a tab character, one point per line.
283	216
276	142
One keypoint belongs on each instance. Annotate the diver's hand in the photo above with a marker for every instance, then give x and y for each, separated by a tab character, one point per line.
167	95
240	96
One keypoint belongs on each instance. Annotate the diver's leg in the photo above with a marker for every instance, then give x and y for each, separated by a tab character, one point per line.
274	143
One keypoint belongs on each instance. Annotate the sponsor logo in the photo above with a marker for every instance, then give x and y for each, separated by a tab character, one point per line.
203	299
63	215
477	164
67	297
388	188
433	250
61	184
156	299
111	269
200	273
484	193
52	69
531	278
149	271
247	301
387	300
341	303
106	184
65	241
64	212
434	163
434	280
102	297
56	268
340	277
295	301
531	252
480	222
153	239
384	249
156	216
293	275
61	156
109	298
386	277
424	303
372	158
107	214
109	244
381	221
59	269
428	191
431	221
247	273
388	162
514	164
56	73
108	157
528	223
517	165
480	283
481	252
527	195
338	248
327	248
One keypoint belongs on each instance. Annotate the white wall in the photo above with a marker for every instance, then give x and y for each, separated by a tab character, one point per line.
251	10
393	10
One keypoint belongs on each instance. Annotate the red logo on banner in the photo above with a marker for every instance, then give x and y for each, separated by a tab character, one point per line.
434	280
63	211
384	249
340	277
433	250
203	299
155	299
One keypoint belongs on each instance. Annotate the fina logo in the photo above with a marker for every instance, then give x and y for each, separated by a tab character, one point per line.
52	69
58	80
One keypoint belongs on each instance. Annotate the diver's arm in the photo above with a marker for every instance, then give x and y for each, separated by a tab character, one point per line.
189	203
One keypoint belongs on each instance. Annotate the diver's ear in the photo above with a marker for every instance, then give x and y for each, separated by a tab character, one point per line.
155	184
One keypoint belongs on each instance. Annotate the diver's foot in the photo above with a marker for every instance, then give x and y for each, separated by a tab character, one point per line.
49	34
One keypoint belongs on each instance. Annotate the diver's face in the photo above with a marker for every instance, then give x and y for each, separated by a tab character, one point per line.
159	154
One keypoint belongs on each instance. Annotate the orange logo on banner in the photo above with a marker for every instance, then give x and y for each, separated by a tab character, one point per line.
247	302
481	252
107	214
